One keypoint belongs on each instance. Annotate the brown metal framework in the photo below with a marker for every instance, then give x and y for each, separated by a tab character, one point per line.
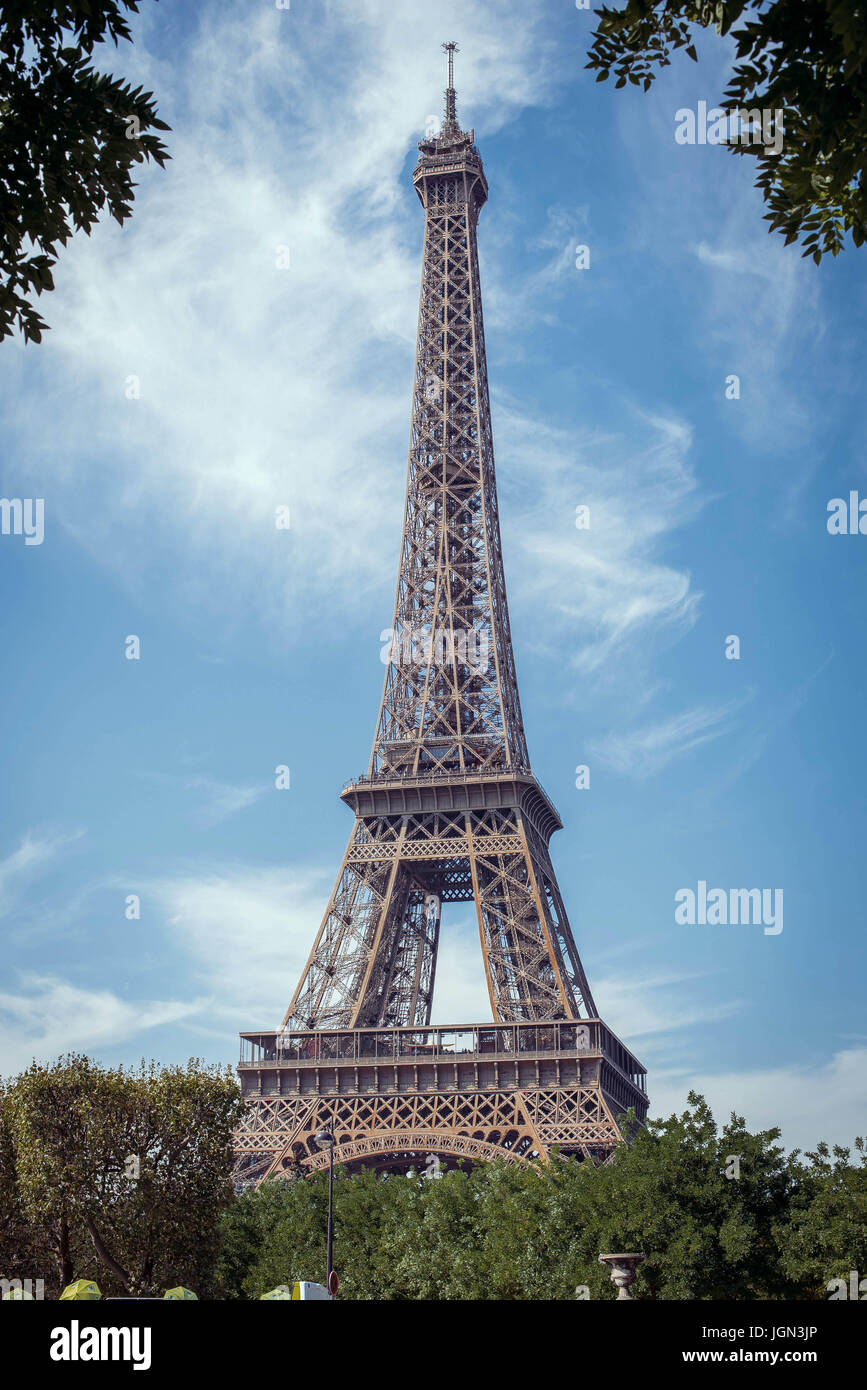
449	809
392	1096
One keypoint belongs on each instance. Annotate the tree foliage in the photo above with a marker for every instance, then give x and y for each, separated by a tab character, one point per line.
500	1231
26	1251
806	57
68	1133
828	1217
721	1213
69	136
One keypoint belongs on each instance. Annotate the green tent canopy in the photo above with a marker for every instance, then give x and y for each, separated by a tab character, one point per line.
81	1289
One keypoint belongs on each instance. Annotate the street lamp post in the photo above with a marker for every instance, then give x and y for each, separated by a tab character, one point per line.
325	1140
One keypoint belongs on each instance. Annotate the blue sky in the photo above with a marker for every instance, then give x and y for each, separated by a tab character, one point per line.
263	386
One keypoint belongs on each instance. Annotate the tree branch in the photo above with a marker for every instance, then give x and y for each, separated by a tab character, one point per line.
106	1256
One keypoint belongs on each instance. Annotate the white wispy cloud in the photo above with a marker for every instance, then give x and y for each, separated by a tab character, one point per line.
51	1016
757	304
759	301
659	1016
220	799
33	853
247	932
644	751
761	277
645	1006
212	801
808	1102
606	585
261	386
725	260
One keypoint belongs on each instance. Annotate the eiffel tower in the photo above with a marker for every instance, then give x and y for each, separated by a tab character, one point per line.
449	811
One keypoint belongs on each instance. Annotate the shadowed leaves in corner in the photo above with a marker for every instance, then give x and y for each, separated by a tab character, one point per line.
806	59
69	136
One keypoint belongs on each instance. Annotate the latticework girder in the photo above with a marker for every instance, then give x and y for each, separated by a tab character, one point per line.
278	1134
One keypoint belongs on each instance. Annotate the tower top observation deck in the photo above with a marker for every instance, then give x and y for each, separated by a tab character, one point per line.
452	150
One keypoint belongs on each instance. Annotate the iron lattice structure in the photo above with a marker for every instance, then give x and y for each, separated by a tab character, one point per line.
448	811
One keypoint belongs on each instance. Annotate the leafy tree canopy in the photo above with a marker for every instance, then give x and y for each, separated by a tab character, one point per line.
827	1217
806	57
122	1174
69	136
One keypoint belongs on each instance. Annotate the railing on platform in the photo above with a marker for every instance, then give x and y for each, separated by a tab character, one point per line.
484	772
442	1044
420	779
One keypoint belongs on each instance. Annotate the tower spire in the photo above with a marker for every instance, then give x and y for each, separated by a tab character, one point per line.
451	120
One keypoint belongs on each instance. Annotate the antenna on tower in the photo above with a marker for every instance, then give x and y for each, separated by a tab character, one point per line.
450	49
